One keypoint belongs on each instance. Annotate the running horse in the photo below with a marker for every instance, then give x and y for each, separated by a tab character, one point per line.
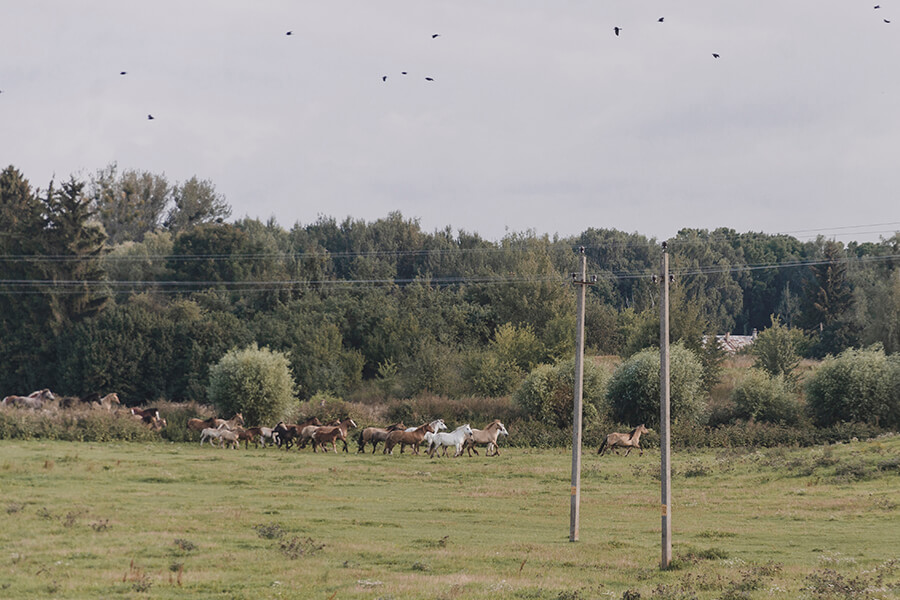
629	440
323	435
106	402
34	400
487	436
413	438
374	435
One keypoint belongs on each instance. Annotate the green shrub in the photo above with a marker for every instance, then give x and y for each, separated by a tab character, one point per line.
254	381
856	386
73	426
489	375
761	397
633	391
777	350
548	393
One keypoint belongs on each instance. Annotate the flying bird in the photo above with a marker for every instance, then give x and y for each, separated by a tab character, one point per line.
123	72
877	6
149	117
661	19
429	79
384	77
886	21
617	30
403	72
289	33
715	55
434	35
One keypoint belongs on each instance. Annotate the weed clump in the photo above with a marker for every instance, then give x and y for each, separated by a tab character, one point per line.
184	545
272	531
296	547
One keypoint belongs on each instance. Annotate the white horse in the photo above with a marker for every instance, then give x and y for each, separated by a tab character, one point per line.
445	440
212	434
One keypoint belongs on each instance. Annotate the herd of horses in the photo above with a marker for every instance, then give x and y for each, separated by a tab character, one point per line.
231	432
47	400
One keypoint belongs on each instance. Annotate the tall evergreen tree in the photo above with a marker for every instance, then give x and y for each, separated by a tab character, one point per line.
75	244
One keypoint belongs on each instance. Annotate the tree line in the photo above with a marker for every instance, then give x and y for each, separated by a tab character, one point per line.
125	281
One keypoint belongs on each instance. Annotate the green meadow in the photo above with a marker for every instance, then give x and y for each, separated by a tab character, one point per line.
164	520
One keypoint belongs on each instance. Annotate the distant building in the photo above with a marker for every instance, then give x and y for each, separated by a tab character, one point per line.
732	344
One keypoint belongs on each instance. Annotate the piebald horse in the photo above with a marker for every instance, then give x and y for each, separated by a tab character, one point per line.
630	440
34	400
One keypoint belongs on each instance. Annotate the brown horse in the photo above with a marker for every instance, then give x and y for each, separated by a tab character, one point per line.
486	437
323	435
629	440
374	435
413	438
201	424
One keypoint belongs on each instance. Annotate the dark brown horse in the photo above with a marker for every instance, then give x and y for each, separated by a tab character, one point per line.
413	438
323	435
374	435
286	434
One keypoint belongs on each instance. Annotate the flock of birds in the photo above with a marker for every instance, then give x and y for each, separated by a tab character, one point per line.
384	78
616	30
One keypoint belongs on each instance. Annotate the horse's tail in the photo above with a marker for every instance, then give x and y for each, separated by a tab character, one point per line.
602	447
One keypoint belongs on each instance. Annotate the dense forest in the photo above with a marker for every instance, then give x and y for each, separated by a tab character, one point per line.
128	282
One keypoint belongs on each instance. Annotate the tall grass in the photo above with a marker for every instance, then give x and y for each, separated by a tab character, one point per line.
182	521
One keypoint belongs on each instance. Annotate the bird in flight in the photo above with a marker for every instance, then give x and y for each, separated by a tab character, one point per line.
715	55
403	72
289	33
434	35
886	21
123	72
617	30
384	77
149	117
877	6
661	19
429	79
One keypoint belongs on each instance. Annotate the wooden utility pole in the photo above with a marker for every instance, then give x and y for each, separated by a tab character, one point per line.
665	445
574	513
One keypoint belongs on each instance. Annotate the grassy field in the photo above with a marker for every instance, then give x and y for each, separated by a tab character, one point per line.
131	520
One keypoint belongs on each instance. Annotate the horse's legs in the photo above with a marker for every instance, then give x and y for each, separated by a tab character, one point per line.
641	449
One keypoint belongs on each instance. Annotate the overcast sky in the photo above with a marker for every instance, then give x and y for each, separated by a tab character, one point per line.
539	117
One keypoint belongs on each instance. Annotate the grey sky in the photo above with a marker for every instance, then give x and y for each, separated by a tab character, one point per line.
538	117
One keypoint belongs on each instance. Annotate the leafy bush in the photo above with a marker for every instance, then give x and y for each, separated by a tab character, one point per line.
254	381
857	386
777	350
633	392
762	397
548	393
76	426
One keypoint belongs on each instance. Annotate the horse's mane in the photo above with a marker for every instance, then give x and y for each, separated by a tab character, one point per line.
631	433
